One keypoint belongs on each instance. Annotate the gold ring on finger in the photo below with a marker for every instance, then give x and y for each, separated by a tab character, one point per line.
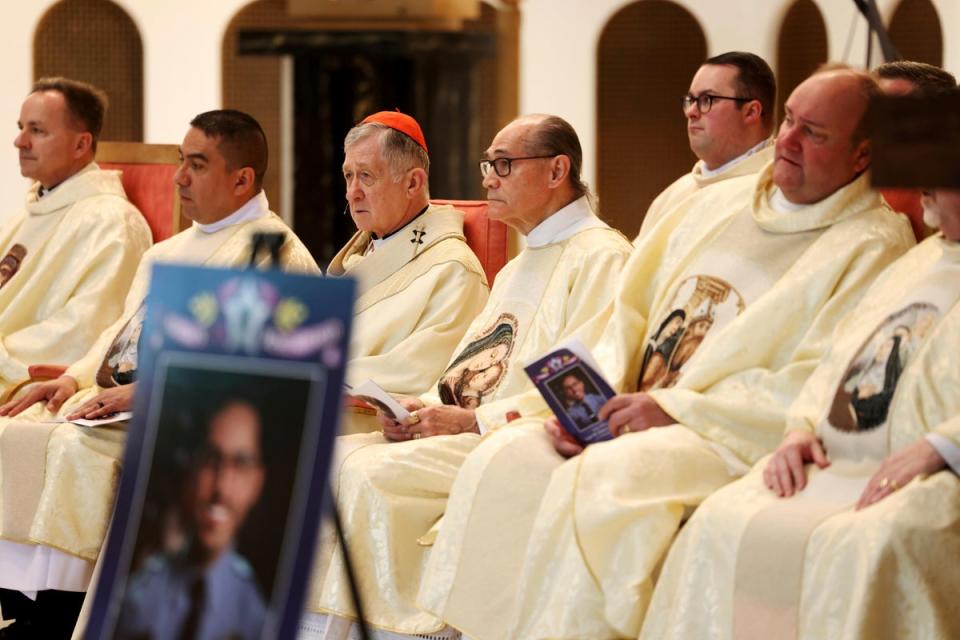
414	418
884	483
417	435
626	428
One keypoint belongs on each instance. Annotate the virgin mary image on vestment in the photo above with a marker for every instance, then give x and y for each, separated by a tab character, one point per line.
479	369
867	387
699	304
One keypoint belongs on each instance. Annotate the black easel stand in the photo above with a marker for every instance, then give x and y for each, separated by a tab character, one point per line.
348	566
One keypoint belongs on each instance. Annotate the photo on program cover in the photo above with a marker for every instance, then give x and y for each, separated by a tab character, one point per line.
574	391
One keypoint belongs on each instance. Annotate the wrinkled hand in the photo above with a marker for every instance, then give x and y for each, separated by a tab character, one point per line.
635	410
105	403
54	392
397	431
443	420
562	441
785	473
897	470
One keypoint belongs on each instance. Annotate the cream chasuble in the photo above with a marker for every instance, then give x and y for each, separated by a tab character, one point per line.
57	481
720	317
810	566
390	494
67	261
699	177
417	294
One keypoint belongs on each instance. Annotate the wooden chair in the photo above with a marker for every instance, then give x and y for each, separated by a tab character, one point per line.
147	176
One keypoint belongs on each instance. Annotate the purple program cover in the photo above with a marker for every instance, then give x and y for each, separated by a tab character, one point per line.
575	392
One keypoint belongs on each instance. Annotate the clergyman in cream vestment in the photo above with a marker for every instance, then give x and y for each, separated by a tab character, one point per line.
417	293
390	494
722	313
57	481
752	565
66	262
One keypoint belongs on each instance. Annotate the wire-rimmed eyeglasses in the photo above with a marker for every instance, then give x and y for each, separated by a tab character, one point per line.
704	101
502	166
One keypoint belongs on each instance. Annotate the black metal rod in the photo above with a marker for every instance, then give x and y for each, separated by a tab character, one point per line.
348	567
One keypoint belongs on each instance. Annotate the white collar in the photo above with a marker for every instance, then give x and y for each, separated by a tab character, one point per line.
557	227
255	207
780	204
709	173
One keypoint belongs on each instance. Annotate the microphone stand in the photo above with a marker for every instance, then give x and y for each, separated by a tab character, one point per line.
875	25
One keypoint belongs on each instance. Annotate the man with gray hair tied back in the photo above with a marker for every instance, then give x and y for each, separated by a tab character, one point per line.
418	283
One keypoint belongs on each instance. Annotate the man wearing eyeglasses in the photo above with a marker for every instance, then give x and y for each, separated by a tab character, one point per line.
543	538
400	479
730	115
206	589
418	283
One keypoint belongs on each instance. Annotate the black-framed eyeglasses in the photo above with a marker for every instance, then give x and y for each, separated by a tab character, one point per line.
704	101
502	166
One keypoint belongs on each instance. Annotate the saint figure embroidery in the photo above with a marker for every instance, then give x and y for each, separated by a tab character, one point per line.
863	398
478	370
699	304
11	263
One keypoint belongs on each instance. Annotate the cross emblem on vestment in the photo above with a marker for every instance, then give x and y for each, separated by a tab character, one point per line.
418	236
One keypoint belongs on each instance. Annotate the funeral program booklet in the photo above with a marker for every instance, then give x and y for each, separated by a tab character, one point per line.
375	395
568	378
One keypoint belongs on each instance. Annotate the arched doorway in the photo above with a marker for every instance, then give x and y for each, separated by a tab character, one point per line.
916	32
801	48
97	42
647	54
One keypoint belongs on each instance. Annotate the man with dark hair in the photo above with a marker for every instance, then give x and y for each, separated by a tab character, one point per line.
227	208
419	284
902	78
564	276
730	117
906	77
208	591
67	258
242	141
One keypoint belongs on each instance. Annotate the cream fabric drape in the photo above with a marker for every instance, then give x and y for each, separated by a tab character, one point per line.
875	573
82	244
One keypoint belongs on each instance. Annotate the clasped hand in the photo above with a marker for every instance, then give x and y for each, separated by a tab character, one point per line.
437	420
624	413
785	473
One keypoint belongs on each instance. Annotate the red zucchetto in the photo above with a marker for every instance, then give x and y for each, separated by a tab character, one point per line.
399	122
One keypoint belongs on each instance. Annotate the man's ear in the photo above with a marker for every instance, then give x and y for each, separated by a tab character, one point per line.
244	181
752	112
862	156
83	144
559	170
416	181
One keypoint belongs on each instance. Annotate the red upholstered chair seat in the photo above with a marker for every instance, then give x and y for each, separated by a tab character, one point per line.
487	238
907	202
147	178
